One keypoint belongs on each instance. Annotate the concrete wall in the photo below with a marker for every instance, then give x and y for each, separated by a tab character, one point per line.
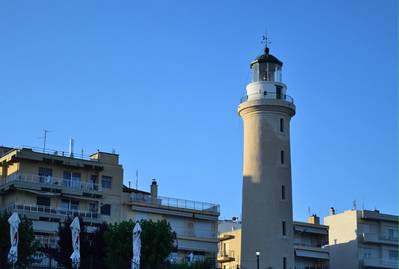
343	244
263	209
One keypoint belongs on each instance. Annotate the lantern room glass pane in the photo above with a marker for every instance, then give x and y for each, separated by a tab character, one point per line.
266	72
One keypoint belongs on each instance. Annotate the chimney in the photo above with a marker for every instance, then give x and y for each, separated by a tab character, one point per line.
154	191
71	142
314	219
332	211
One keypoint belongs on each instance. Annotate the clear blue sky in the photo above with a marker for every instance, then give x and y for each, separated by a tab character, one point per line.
160	81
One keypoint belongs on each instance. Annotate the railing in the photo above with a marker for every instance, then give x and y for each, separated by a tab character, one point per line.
374	262
59	153
378	237
177	203
198	233
226	254
54	181
37	209
47	240
181	203
267	95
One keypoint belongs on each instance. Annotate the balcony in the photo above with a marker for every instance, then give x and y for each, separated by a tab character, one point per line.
379	263
226	256
268	95
52	182
226	236
176	203
50	212
378	239
311	252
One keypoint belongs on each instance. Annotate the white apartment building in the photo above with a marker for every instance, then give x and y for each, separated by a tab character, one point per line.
362	239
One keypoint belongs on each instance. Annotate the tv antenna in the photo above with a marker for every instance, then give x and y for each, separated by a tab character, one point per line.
45	139
137	179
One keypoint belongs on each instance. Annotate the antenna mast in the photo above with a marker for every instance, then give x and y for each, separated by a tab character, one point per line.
45	139
137	179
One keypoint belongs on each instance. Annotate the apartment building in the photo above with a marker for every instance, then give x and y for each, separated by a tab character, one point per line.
310	244
362	239
229	249
48	186
310	240
51	186
195	223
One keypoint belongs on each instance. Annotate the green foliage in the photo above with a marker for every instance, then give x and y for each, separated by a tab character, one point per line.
156	244
27	246
118	245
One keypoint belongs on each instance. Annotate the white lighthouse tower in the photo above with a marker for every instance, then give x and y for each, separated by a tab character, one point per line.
267	224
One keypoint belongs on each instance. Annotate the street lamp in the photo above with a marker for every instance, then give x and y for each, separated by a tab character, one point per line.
257	259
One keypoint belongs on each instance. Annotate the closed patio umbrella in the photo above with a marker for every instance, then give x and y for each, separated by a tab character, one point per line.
75	229
14	222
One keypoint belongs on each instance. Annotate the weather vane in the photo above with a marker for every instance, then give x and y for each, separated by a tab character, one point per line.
266	40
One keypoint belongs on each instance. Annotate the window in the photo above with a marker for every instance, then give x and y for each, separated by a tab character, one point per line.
282	157
64	204
282	125
106	182
279	92
284	263
284	229
74	205
393	254
93	182
43	201
282	192
67	204
93	207
105	210
71	179
393	234
45	174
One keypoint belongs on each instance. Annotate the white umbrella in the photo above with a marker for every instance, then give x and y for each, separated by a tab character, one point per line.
14	222
75	228
136	246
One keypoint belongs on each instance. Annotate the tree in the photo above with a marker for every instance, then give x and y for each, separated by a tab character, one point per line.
156	244
97	249
27	246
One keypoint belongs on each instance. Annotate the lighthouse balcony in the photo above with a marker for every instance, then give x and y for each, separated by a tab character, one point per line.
268	95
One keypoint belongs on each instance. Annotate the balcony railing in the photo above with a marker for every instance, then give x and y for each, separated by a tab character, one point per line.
226	254
268	95
54	182
375	237
46	210
378	262
176	203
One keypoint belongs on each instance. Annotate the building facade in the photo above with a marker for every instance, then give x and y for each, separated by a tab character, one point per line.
310	245
362	239
266	112
49	186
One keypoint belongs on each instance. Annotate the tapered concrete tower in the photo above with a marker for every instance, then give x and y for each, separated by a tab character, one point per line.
267	224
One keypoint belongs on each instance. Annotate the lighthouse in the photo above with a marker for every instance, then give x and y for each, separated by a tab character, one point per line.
267	222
